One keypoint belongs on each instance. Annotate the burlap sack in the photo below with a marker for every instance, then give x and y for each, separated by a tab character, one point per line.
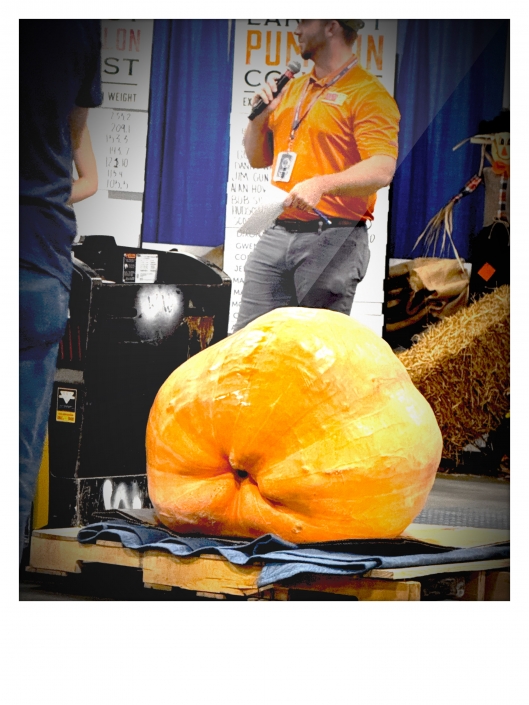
424	290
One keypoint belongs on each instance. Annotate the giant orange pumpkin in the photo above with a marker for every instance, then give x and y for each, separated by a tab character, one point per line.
304	424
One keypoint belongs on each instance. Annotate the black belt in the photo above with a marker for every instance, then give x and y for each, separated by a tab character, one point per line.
316	226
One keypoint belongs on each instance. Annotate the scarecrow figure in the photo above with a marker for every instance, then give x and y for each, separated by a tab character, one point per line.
490	248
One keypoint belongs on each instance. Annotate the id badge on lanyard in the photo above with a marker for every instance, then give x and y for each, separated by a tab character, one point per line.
284	166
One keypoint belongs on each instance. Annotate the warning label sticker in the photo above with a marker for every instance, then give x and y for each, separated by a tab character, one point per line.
129	268
66	405
146	269
139	269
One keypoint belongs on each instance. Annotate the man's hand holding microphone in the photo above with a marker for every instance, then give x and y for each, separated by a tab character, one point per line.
270	93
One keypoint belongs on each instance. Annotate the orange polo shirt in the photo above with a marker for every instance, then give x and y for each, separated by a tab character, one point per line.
352	120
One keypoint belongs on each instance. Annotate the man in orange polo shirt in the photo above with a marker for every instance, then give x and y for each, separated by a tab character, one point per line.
331	139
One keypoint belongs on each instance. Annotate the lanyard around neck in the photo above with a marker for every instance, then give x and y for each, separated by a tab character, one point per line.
296	122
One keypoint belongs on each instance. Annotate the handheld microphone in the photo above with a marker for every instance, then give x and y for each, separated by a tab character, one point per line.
292	68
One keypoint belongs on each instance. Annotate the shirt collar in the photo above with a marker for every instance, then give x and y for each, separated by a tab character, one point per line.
322	82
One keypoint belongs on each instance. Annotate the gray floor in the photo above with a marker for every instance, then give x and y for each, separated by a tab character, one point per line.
466	501
453	501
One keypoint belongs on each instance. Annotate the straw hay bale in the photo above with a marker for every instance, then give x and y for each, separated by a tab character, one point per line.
461	366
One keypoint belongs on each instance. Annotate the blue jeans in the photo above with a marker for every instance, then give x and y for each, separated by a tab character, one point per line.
304	269
43	308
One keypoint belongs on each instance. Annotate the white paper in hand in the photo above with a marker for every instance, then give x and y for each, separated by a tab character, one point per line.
266	212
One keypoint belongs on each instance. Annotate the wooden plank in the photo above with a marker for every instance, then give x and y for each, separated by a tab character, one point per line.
362	588
418	571
212	595
280	593
263	594
455	536
475	586
43	571
200	574
415	591
258	597
60	550
154	586
68	534
498	586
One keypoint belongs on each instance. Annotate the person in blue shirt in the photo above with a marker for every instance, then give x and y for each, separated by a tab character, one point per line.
60	79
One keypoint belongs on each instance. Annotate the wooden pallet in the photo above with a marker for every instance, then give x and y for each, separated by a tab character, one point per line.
57	552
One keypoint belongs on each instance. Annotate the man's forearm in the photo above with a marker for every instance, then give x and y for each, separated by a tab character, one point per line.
362	179
82	188
258	143
83	157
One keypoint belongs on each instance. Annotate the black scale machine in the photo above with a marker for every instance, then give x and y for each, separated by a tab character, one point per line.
135	315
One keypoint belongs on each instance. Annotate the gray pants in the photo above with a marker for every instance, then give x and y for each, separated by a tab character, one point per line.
304	269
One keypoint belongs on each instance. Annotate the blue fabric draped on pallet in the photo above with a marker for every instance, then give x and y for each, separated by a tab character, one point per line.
450	77
188	143
283	559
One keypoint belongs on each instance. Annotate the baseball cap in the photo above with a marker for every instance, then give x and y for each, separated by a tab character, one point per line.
353	24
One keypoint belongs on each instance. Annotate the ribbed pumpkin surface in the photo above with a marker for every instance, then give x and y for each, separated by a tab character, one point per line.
304	424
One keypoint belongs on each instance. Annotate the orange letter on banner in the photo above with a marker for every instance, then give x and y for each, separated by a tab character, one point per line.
371	50
250	46
105	37
276	61
291	44
134	39
358	50
121	40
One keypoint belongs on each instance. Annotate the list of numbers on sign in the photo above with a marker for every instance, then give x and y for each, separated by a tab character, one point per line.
117	140
120	138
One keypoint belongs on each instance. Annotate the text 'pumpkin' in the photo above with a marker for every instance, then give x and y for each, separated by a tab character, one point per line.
303	424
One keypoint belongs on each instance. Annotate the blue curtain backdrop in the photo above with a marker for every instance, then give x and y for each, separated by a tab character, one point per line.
188	143
450	77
